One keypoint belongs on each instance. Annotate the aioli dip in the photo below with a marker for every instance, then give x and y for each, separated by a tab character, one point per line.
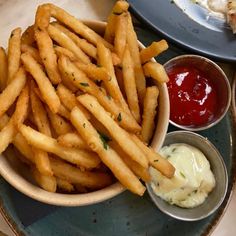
193	179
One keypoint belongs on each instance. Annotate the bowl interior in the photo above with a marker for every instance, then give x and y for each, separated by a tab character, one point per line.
17	174
215	198
217	77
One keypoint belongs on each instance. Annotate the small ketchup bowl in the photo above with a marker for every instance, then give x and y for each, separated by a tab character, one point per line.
199	92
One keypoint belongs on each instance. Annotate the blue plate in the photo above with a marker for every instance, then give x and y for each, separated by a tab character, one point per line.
125	214
190	27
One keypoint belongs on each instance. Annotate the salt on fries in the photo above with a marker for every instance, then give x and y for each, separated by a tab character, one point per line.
73	102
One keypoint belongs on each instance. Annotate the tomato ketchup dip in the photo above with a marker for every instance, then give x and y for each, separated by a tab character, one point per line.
199	92
193	97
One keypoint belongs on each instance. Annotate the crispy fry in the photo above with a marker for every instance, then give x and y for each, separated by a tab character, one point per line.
60	125
153	50
46	182
9	131
109	157
80	80
149	112
119	8
79	157
48	55
47	90
63	40
117	133
94	72
134	51
93	180
120	35
72	140
32	51
87	48
12	91
27	37
104	58
155	159
14	53
39	112
63	51
3	69
65	185
156	71
130	85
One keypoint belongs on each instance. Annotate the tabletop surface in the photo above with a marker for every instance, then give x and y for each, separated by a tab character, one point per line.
86	9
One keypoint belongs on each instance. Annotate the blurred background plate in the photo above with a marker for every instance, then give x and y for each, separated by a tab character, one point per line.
190	27
125	214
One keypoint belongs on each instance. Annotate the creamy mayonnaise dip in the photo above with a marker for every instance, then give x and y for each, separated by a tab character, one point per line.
193	179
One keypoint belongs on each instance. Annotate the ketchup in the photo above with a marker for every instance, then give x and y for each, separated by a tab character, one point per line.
193	97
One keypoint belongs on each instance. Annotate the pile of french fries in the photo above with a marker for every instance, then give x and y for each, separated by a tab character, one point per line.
76	104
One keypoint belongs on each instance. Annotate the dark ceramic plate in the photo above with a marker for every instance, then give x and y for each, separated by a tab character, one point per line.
190	27
125	214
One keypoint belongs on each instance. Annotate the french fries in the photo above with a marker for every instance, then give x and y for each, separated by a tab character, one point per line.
3	69
13	54
111	159
149	112
74	103
153	50
48	55
47	90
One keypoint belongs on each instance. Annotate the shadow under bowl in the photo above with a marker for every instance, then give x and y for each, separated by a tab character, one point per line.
215	198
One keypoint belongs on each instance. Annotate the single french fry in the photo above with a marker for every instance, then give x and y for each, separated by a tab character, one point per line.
79	157
104	58
65	185
32	51
156	71
27	37
118	9
46	182
72	140
42	16
63	40
47	90
130	84
64	112
9	131
108	156
155	159
94	72
134	51
133	165
12	91
39	112
42	162
115	59
93	180
63	51
60	125
3	69
14	52
153	50
149	111
120	35
117	133
80	80
68	83
86	47
48	55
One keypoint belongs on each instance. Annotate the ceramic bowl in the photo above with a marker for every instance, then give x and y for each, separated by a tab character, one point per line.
14	172
215	198
217	77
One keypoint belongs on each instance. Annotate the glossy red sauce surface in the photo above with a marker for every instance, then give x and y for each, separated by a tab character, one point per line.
193	98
